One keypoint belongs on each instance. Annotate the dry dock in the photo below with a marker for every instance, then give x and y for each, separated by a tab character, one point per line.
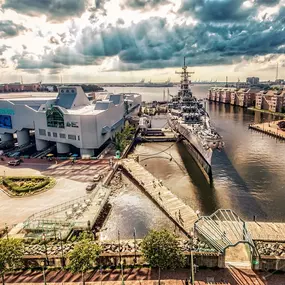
181	214
269	128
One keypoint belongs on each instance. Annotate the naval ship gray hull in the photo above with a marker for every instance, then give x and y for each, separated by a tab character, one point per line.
193	145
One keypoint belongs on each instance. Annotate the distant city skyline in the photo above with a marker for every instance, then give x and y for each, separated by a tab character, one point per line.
103	41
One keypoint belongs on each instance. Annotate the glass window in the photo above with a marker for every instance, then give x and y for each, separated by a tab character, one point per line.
54	135
62	136
72	137
49	134
78	138
55	118
42	132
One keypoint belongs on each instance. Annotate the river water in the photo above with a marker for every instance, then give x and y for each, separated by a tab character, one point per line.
249	174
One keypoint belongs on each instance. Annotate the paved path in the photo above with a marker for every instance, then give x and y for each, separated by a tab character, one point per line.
71	184
182	214
266	231
269	128
146	276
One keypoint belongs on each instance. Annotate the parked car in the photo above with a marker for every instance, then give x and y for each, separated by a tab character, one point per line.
97	177
14	162
90	187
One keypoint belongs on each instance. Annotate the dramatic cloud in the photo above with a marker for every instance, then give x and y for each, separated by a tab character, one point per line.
267	2
216	10
62	57
3	48
142	4
10	29
58	10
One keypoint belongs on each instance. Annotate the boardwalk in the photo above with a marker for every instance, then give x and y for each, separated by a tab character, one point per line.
266	231
183	215
269	128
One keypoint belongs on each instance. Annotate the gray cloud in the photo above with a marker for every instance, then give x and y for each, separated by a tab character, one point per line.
216	10
267	2
62	57
9	29
57	10
142	4
3	48
153	44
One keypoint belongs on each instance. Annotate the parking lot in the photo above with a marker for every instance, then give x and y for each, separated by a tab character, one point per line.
71	183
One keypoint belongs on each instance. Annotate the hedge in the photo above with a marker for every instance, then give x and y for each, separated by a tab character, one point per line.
9	182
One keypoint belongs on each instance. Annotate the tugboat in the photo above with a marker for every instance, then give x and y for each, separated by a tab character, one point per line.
188	117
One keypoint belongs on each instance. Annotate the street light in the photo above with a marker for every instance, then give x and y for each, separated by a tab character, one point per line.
45	245
61	249
44	273
135	246
192	277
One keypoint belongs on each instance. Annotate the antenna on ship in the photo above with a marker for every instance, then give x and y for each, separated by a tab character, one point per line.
276	72
21	79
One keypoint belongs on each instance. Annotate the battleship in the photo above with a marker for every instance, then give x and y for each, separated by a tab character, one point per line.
187	117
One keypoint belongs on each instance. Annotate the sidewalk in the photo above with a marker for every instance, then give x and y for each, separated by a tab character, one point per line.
146	276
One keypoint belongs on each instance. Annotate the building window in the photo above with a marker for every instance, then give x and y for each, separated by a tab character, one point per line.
55	118
49	134
72	137
54	135
62	136
42	132
78	138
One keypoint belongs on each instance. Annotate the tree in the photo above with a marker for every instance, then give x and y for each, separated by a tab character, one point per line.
11	253
84	256
161	249
123	138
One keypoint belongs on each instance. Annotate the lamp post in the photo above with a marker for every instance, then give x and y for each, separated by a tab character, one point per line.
135	246
192	277
44	273
61	249
45	245
120	257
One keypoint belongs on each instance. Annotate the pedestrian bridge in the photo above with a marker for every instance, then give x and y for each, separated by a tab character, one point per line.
223	229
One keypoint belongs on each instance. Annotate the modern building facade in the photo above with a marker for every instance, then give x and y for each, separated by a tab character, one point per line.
70	119
252	80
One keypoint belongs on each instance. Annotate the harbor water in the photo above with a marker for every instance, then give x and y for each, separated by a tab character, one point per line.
248	174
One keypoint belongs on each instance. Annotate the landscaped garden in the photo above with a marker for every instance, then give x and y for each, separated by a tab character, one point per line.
22	185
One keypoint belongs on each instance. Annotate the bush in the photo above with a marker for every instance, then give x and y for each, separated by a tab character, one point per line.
26	184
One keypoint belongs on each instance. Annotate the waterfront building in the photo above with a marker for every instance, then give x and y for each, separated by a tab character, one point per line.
271	100
70	119
19	87
252	80
246	97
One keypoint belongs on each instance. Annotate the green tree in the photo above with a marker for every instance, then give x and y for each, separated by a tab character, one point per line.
161	249
11	253
123	138
84	256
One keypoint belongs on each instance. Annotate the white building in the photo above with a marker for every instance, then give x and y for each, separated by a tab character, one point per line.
69	119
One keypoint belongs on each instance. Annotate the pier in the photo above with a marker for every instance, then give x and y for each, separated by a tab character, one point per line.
181	214
157	135
269	128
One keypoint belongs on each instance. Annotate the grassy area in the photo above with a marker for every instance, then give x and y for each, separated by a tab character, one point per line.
266	111
25	185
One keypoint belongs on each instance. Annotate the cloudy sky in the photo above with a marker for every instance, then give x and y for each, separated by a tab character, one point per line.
127	40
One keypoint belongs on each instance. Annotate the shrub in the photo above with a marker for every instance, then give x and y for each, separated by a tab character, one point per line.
25	184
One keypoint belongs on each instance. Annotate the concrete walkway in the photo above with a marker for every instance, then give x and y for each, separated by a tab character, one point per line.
146	276
182	214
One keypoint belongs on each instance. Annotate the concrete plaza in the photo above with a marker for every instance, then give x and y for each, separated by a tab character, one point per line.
71	181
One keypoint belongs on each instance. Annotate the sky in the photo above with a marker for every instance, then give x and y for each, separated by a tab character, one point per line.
128	40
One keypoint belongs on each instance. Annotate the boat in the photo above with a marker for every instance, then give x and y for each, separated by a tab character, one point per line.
187	117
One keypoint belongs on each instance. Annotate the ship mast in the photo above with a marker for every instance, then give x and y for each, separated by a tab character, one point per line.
184	81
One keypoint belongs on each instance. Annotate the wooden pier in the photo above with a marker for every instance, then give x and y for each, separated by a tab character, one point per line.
269	128
181	214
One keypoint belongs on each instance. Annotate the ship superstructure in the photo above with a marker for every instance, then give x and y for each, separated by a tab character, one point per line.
188	117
